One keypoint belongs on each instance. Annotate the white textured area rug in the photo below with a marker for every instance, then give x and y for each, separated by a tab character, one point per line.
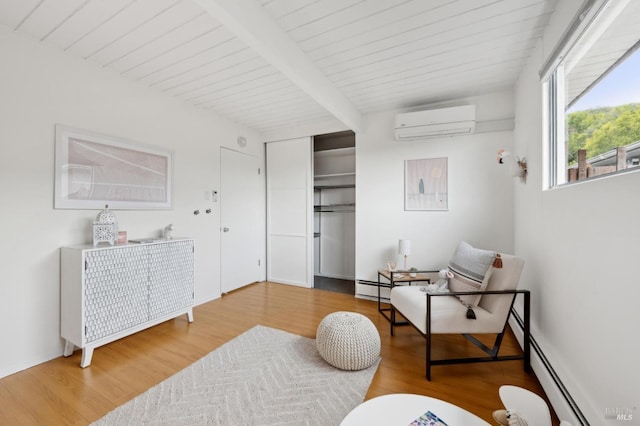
262	377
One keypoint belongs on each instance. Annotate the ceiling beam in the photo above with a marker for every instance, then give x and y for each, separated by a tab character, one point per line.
252	24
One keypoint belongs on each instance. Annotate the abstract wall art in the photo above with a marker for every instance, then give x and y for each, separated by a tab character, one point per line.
92	170
425	184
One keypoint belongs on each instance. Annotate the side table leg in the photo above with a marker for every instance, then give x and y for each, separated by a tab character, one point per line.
190	315
379	309
393	318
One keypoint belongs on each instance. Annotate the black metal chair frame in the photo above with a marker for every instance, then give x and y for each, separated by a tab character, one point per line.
491	352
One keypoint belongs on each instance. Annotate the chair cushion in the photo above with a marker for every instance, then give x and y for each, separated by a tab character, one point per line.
447	313
471	268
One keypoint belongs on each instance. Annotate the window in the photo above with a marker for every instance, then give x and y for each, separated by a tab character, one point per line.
593	80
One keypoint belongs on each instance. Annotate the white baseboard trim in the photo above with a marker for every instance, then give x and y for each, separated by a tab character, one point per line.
369	290
289	282
559	397
28	363
367	297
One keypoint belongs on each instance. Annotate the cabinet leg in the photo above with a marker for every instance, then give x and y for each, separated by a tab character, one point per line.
87	354
190	315
68	348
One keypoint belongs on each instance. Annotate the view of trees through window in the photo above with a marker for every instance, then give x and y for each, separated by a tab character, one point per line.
607	115
600	130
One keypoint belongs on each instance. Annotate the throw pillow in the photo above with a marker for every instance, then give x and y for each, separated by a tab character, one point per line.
471	268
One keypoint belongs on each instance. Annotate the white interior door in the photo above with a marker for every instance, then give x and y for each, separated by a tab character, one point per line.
290	212
241	220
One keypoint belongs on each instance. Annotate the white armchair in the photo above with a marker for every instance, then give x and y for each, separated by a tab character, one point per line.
444	313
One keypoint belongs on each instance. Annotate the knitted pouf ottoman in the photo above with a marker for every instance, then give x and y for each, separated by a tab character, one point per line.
348	340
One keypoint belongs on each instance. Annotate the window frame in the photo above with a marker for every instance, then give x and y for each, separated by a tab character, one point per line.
552	78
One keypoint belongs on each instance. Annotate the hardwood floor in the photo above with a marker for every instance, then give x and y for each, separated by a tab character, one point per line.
60	392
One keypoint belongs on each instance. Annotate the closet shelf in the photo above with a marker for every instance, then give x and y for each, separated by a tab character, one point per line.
321	187
334	205
334	175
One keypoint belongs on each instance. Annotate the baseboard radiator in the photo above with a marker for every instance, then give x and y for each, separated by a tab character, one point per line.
550	371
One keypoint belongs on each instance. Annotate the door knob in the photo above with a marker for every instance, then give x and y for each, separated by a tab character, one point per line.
225	229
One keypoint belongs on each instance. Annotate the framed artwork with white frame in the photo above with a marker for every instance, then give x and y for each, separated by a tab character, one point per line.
93	170
425	184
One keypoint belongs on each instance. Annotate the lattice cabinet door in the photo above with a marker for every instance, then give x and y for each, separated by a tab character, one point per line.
116	290
171	277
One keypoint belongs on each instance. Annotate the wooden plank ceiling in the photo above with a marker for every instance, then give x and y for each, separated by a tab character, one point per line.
269	64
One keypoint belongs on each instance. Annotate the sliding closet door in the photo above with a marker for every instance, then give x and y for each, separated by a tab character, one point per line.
290	212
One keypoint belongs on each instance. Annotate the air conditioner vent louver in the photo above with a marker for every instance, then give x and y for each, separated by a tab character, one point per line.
435	123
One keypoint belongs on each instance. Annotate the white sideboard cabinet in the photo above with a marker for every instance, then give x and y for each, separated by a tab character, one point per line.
110	292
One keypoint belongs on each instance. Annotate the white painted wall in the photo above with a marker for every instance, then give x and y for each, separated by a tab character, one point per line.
480	192
40	87
580	244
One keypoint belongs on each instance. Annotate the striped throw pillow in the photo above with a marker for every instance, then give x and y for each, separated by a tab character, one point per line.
471	268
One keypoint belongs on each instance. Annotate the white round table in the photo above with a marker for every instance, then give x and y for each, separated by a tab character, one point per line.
403	408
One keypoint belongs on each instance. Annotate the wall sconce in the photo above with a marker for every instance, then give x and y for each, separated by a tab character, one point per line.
517	165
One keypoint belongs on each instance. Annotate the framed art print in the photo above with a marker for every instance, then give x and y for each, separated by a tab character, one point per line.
92	170
425	184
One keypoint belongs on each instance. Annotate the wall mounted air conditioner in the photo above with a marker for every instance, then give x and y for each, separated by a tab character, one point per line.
460	120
